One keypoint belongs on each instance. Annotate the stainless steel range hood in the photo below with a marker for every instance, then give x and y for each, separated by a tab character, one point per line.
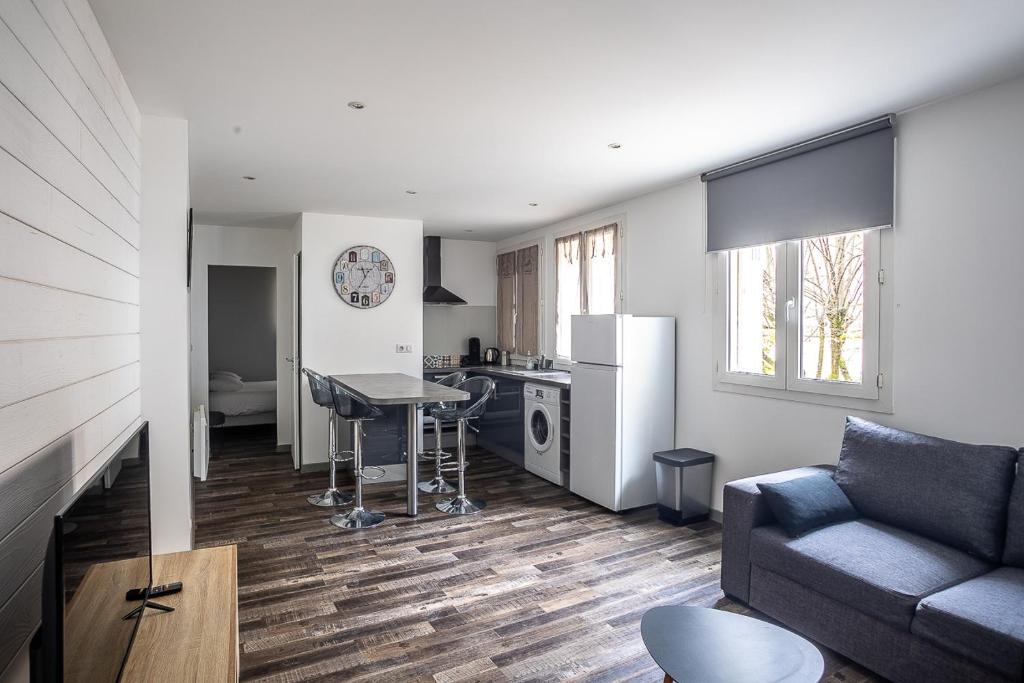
433	292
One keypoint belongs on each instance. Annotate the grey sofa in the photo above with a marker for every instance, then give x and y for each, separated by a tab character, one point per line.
927	585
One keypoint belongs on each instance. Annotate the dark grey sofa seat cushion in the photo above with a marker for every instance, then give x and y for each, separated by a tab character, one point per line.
1014	552
875	568
948	491
982	619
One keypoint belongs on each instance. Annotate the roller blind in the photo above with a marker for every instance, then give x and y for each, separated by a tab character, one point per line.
835	183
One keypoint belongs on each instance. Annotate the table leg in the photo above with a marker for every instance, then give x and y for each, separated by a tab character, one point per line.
412	459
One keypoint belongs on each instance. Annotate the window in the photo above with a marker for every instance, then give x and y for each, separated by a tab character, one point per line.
586	279
519	300
801	319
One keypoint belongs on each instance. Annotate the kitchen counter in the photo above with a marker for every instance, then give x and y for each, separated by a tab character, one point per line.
558	378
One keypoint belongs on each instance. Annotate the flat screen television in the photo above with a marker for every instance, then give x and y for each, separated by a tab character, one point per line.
88	625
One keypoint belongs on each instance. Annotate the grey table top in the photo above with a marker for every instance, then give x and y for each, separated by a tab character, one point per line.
701	644
396	388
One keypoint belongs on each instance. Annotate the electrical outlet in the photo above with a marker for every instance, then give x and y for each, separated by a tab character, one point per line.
403	348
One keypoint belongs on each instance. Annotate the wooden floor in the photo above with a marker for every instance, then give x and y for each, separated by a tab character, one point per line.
542	586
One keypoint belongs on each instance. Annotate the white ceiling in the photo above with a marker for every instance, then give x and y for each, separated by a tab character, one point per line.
483	106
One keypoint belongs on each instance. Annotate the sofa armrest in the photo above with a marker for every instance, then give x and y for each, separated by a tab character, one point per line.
744	508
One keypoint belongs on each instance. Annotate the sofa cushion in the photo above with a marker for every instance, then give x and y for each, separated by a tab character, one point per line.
948	491
982	619
875	568
1014	552
807	503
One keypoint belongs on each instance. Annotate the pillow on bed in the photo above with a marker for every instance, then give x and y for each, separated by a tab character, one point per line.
225	383
225	373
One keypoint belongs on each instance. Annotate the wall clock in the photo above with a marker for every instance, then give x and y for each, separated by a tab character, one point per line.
364	276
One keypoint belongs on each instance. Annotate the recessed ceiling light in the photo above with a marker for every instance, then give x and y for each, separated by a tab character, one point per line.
410	191
248	177
468	230
533	203
356	104
614	145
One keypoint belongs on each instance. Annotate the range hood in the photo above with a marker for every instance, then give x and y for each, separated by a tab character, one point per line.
433	292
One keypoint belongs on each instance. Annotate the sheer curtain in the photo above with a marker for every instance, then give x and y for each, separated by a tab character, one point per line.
506	264
527	323
600	274
568	290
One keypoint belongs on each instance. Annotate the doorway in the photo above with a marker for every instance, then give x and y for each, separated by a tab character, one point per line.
242	350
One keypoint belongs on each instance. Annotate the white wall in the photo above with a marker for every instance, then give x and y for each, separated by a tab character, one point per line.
165	352
242	246
957	282
467	269
70	193
337	338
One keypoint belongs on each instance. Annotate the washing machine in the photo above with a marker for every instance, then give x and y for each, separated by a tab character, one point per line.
542	454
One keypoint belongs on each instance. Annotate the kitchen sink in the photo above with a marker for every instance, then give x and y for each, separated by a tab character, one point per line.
544	374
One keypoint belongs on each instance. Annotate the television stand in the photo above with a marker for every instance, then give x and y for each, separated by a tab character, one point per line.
146	603
198	641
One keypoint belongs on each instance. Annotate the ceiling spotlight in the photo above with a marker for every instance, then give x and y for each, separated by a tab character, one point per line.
533	203
410	191
356	104
614	145
248	177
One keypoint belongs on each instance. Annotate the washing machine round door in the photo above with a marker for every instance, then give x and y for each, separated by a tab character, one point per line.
539	427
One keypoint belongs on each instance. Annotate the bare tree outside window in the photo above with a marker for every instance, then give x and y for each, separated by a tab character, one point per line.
832	305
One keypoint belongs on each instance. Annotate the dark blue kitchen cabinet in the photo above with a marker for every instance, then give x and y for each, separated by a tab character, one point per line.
501	427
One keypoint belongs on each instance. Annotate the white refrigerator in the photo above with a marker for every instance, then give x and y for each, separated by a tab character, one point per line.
623	406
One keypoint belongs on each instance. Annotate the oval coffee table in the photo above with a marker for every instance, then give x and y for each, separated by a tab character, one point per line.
702	644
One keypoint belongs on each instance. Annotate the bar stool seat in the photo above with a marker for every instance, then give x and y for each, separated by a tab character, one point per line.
321	393
355	411
479	389
439	455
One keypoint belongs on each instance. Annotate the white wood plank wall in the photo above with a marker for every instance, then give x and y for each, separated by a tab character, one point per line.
70	184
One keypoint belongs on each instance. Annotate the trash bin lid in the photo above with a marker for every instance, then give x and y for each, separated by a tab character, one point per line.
684	457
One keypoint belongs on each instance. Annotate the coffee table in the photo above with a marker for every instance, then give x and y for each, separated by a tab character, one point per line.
701	644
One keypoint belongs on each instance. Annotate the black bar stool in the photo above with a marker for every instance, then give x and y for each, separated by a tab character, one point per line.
480	389
355	411
438	455
321	392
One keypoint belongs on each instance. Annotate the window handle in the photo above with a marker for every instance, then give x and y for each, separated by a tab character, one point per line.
790	306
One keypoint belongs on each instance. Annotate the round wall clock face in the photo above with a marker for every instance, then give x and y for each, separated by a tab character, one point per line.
364	276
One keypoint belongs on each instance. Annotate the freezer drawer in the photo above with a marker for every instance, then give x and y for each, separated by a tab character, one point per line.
597	339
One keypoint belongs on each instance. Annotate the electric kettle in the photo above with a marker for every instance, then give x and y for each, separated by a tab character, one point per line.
492	356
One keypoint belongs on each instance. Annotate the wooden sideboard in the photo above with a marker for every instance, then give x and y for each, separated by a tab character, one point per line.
198	641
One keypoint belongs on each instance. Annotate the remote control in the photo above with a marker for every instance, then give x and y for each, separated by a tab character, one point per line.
154	592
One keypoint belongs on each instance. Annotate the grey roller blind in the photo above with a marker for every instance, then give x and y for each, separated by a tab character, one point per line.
836	183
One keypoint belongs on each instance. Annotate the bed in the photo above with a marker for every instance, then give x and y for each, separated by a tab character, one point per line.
255	403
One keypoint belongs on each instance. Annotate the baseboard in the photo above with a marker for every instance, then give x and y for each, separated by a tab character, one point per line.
716	515
283	448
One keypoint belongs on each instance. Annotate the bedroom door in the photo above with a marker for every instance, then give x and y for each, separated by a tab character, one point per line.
296	361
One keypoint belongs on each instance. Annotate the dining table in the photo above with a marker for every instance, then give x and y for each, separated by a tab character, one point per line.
397	388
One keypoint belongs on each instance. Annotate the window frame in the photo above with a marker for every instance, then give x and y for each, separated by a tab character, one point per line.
620	273
874	393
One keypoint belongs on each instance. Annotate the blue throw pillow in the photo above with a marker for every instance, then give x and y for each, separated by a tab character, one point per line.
803	504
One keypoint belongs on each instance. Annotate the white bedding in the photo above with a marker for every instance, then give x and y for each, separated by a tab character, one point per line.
255	397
